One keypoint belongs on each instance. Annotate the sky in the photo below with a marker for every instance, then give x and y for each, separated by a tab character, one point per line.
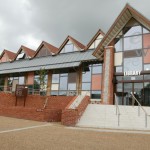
29	22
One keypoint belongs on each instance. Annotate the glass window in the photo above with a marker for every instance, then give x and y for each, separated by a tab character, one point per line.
96	94
135	30
119	87
145	30
133	53
63	83
118	45
147	67
55	86
71	86
62	92
119	69
2	80
10	81
131	43
146	40
53	93
118	78
133	64
86	76
69	48
146	77
97	69
86	86
133	77
36	82
21	80
55	78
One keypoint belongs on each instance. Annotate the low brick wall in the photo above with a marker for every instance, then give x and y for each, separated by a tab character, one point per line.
48	115
52	112
71	116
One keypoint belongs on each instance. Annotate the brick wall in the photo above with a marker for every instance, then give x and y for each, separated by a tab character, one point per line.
71	116
49	115
34	104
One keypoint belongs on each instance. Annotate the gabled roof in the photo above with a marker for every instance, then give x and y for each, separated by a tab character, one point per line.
49	47
99	32
29	52
10	54
74	41
127	13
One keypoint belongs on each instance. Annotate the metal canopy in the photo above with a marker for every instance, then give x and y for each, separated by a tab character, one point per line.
66	60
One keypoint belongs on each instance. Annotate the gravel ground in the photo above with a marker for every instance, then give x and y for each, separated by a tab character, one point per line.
57	137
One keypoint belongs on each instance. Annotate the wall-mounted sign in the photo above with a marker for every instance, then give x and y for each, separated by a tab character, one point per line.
132	73
21	91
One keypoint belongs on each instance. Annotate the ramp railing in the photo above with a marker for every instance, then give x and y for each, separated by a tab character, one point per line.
117	109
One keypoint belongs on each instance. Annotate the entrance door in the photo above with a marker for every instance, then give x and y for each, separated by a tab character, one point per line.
136	89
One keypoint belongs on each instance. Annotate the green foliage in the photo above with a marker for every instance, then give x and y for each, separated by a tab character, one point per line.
42	78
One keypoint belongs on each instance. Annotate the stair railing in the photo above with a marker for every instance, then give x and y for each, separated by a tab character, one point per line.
117	109
140	106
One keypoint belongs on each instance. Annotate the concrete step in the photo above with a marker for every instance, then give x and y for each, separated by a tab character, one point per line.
104	116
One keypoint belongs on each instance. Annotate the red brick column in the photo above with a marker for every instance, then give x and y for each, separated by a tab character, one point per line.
108	70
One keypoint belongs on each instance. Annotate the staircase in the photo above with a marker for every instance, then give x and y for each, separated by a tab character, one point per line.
104	116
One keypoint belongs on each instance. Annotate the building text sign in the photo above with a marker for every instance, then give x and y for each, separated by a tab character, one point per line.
132	73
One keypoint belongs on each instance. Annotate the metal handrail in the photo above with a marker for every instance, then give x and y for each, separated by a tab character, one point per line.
117	109
139	105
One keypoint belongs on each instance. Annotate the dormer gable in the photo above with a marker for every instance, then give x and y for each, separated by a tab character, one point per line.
7	56
96	40
24	53
46	49
71	45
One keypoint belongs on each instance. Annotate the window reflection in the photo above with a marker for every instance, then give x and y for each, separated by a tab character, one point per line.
131	43
135	30
133	64
118	45
147	67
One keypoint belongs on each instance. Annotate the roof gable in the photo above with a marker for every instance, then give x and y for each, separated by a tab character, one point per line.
10	54
77	44
98	33
127	13
29	52
52	49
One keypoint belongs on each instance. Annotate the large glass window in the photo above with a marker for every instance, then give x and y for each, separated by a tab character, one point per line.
2	80
134	64
69	47
91	80
135	30
64	84
132	43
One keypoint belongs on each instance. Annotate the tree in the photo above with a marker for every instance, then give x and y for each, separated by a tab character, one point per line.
42	78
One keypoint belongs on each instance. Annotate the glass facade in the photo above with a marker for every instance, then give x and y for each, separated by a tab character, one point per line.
132	50
91	80
132	53
64	84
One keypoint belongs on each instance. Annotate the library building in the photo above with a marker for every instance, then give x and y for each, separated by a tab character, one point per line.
113	64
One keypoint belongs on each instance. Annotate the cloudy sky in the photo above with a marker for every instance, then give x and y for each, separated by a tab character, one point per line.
28	22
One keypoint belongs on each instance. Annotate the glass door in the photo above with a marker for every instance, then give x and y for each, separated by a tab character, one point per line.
136	89
146	92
